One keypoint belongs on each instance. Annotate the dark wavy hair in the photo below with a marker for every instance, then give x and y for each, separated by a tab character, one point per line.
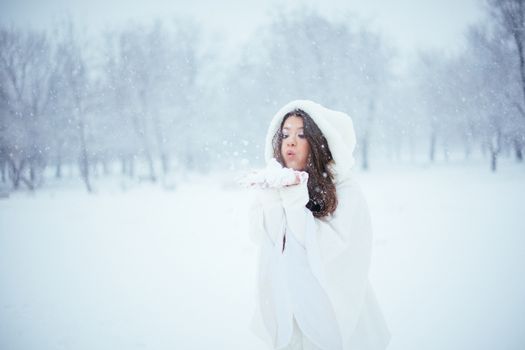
321	187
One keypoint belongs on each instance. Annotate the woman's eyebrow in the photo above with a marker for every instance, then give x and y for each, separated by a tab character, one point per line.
287	128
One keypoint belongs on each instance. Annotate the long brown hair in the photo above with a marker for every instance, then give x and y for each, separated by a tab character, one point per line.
321	187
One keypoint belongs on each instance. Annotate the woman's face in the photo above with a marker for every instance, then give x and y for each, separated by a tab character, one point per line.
294	148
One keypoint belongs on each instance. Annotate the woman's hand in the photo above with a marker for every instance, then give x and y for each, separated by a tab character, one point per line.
298	179
273	176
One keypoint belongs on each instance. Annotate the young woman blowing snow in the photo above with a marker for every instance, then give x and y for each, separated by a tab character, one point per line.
313	230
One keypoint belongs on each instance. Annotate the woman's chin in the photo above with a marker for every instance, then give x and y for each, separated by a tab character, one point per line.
295	166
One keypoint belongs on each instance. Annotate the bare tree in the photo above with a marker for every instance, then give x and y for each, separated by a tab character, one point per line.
488	81
304	55
74	91
134	72
371	82
433	93
158	68
25	72
511	16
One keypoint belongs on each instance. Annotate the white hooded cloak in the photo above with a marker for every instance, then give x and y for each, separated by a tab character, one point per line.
338	247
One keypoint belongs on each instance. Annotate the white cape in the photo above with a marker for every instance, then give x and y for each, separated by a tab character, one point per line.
339	252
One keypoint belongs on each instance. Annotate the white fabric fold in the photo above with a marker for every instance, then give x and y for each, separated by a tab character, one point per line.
338	251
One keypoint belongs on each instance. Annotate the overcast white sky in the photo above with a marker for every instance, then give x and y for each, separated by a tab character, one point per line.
407	24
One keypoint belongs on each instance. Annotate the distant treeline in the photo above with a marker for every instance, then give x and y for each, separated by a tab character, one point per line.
164	96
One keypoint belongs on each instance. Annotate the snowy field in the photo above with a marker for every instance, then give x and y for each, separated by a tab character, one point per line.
153	269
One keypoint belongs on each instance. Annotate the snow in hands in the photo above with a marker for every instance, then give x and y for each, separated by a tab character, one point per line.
273	176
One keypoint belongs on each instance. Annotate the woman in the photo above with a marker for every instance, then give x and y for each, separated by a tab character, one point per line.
314	239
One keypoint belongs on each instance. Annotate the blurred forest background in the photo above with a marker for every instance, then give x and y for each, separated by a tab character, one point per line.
148	100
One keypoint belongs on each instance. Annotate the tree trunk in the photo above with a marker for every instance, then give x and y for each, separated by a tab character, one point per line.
84	159
518	150
160	141
467	143
151	167
16	174
468	149
131	166
58	169
165	162
123	165
433	138
142	134
32	171
3	168
94	165
495	148
105	167
366	136
493	160
127	165
445	150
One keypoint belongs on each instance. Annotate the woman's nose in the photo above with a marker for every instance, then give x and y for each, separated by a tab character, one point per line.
290	141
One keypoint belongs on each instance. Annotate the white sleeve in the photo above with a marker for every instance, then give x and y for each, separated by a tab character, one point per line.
266	216
348	228
294	199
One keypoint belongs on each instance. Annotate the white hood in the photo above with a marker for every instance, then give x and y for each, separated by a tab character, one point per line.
337	127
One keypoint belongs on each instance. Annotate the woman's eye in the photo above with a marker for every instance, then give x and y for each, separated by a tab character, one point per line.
284	136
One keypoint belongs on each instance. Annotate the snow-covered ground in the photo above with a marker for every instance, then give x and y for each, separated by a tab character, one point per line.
154	269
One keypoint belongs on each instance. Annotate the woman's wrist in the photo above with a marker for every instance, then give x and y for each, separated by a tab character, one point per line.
294	195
